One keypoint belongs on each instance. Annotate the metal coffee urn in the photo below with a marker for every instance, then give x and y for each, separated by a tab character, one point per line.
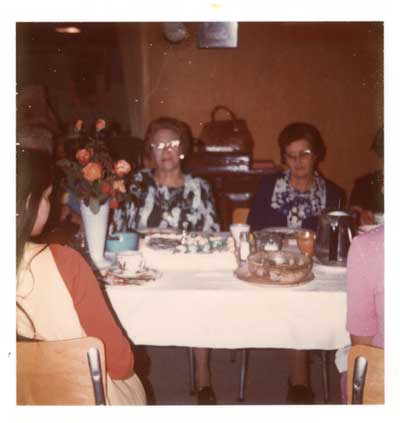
335	231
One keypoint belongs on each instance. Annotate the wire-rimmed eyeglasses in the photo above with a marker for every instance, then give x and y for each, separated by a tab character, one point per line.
299	155
169	145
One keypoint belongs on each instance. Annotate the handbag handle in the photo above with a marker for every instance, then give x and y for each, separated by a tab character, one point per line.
231	114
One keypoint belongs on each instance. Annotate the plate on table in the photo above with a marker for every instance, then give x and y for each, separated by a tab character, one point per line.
166	242
114	276
276	268
194	242
244	275
151	231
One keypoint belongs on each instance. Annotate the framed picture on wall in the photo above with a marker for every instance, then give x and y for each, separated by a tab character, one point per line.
218	34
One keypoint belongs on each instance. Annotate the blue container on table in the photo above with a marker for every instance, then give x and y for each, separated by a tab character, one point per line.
122	241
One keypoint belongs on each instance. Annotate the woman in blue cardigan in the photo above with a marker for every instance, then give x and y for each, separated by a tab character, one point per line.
295	198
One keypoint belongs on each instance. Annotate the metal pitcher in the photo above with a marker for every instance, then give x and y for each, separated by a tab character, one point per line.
336	229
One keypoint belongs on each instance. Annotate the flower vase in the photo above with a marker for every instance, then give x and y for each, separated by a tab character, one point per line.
95	231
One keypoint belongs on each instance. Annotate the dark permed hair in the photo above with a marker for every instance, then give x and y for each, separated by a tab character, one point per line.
181	129
302	131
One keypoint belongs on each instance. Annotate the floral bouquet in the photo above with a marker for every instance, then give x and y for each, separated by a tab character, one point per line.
94	178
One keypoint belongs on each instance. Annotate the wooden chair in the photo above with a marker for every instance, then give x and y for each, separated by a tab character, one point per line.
239	215
60	373
365	376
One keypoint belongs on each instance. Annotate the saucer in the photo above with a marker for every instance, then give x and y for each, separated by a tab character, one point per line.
116	271
115	276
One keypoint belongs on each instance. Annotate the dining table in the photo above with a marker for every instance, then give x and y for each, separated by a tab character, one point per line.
211	307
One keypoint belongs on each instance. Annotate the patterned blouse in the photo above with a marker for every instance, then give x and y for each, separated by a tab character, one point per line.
296	205
157	206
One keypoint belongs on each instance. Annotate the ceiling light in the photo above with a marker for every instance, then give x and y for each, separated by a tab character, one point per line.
68	30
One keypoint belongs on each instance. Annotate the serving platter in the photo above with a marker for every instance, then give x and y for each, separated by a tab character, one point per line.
163	243
279	268
244	275
194	242
151	231
115	276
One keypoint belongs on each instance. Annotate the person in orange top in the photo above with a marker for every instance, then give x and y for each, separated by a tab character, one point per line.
58	296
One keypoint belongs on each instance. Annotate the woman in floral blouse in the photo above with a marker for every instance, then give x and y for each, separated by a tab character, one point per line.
295	198
165	197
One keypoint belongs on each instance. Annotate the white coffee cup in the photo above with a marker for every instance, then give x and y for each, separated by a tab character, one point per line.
130	261
236	229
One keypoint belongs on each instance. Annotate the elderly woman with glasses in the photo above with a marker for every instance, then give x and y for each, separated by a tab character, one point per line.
295	198
165	197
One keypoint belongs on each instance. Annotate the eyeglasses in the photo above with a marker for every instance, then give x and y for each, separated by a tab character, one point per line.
170	145
302	155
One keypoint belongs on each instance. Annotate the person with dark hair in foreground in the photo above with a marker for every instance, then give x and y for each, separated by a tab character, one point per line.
58	296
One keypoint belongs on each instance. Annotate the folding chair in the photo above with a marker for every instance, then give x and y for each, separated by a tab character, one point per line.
365	376
68	372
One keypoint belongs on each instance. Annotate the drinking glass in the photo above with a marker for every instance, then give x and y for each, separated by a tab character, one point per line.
305	241
236	229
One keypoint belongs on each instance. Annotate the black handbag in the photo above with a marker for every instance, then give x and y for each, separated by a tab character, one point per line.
226	136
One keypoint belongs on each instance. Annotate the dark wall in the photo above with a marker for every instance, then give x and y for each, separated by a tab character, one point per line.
328	74
82	72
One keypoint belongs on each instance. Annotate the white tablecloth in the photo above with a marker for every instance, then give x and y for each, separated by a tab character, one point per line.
215	309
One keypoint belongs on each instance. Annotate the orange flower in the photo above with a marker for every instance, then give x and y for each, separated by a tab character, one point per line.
106	188
83	156
119	186
122	168
92	171
114	203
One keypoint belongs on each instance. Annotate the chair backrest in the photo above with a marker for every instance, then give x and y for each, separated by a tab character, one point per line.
239	215
373	381
57	372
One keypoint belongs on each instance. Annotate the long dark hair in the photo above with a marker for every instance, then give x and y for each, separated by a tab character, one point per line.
34	176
